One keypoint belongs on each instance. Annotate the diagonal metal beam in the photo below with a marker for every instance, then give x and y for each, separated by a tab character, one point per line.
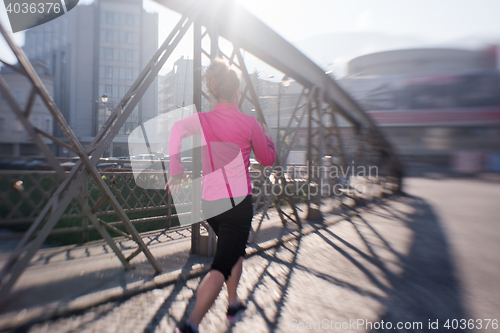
17	69
251	90
56	140
15	266
31	100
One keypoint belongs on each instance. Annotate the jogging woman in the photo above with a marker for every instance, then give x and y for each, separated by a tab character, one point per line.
238	134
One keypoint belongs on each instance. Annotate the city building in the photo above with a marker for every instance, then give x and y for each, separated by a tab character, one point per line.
94	50
176	87
14	139
436	106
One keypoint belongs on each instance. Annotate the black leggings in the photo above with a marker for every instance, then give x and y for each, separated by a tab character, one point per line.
232	229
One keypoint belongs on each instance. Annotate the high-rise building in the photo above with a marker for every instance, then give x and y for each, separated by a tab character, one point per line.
94	50
14	139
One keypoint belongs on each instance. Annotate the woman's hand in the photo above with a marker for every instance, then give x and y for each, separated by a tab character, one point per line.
174	183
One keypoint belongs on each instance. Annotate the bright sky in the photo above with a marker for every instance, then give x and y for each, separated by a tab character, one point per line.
430	20
435	20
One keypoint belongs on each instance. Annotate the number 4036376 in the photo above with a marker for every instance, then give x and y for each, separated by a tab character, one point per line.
471	324
40	7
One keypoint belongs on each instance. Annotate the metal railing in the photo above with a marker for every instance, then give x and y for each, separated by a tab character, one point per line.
23	194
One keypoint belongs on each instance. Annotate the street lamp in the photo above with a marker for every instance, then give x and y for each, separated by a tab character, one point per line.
105	104
104	98
98	105
109	105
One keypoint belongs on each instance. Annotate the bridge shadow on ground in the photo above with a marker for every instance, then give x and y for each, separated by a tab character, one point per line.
373	275
423	288
429	289
391	262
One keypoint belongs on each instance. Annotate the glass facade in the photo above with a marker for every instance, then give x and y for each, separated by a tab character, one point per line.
119	60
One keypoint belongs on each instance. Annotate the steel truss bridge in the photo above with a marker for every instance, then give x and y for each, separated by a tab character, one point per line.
321	105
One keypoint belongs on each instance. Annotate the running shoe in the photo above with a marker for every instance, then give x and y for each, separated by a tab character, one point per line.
184	327
234	313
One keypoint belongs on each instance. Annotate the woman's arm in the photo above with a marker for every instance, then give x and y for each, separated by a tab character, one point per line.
183	128
263	146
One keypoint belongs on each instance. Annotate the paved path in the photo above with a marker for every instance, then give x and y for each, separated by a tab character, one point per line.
430	256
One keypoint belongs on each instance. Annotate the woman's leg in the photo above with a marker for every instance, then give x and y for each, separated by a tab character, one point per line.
209	290
227	263
232	282
207	293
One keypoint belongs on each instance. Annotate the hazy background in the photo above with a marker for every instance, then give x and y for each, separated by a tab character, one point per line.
331	32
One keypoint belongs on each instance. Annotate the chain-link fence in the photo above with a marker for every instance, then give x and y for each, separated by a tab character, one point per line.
23	194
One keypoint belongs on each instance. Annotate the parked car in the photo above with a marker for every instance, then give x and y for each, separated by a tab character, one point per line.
146	157
18	165
146	161
38	165
5	164
68	165
123	161
105	165
166	162
254	165
187	163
